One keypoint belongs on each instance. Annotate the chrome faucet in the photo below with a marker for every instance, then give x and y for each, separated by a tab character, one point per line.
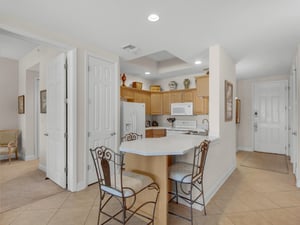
207	125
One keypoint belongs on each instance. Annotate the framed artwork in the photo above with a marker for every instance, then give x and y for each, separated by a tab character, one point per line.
228	101
21	104
237	111
43	101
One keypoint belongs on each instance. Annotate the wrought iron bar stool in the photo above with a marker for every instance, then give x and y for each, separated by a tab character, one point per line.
189	177
124	186
131	137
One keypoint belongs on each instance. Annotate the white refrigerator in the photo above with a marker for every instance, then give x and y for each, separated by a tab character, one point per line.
132	118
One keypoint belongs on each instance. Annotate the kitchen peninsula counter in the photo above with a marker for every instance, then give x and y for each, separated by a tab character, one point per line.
150	156
170	145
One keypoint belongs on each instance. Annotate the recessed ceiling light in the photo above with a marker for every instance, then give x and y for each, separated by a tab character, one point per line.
147	73
198	62
153	17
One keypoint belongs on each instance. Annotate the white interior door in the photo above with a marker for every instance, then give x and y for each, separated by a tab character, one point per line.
56	120
293	118
270	117
102	112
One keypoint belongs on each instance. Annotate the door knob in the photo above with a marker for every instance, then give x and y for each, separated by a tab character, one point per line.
294	133
113	134
46	134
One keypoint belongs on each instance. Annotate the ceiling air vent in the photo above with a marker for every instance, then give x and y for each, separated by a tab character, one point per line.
129	48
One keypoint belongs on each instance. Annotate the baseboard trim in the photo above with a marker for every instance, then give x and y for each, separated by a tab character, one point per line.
213	190
298	183
29	157
81	186
244	148
43	168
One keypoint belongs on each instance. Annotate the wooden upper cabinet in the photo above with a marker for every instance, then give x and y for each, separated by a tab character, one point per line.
143	97
127	94
175	96
188	95
166	103
156	103
200	105
202	85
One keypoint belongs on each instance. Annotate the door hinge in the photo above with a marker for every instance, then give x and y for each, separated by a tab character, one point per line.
89	134
66	135
65	170
88	167
66	101
89	68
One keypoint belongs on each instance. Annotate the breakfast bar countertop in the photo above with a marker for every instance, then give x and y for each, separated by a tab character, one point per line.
169	145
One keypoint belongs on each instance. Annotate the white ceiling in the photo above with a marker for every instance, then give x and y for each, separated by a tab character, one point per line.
261	36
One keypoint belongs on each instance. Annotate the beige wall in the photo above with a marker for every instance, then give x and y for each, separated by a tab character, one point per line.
30	118
8	94
245	93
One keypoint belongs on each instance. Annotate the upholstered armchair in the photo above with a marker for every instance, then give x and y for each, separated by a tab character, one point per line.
9	143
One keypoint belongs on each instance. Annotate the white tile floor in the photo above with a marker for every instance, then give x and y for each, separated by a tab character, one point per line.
248	197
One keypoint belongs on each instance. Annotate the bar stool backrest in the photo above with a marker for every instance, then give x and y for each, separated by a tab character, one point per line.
109	166
131	137
200	154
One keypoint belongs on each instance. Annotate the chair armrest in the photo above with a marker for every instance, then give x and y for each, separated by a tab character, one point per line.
11	144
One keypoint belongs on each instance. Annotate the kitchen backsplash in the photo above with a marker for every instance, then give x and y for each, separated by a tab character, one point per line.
162	120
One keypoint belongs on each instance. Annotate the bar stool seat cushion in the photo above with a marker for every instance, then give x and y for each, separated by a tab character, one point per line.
181	172
132	183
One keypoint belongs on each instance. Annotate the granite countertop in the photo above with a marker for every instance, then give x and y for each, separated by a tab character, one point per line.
169	145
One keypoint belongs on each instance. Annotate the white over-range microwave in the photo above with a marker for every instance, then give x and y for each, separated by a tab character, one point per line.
182	109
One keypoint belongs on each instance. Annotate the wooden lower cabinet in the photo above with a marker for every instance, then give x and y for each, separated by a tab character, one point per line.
155	133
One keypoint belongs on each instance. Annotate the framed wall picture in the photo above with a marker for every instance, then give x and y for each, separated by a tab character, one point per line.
43	101
237	111
21	104
228	101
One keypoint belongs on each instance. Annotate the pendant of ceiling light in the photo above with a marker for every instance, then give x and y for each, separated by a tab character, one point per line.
153	17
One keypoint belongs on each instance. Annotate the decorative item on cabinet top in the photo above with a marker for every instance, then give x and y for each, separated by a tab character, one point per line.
137	85
186	83
123	78
154	88
172	85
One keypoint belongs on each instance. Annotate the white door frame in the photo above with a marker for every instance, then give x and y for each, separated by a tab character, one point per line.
253	111
86	112
72	119
36	117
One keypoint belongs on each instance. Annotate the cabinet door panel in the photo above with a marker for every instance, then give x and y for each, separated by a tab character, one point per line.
176	96
166	103
156	103
187	96
202	84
